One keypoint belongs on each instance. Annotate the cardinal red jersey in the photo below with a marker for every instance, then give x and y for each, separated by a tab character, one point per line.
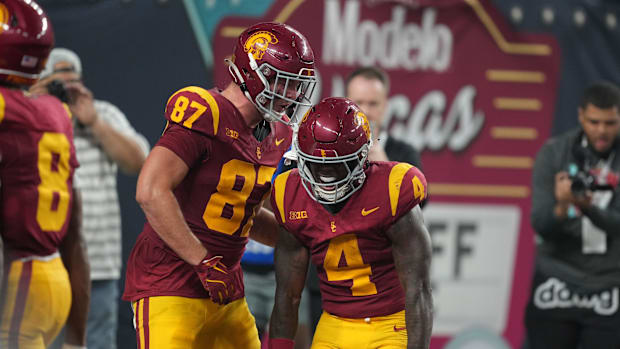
229	176
37	161
350	249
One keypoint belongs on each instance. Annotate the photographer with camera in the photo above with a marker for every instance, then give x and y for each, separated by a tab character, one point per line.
576	214
104	141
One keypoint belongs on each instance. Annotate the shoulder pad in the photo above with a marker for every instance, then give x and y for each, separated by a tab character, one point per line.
406	187
277	197
194	108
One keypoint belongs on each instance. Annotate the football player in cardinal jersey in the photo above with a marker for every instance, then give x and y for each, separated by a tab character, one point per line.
202	187
360	224
48	280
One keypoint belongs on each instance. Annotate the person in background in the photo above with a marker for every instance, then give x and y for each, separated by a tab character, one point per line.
369	88
576	215
104	141
359	223
47	285
202	189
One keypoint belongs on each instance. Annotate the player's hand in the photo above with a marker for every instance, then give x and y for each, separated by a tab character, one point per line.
216	279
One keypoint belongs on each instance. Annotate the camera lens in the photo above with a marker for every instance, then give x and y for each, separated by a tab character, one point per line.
581	182
578	187
57	89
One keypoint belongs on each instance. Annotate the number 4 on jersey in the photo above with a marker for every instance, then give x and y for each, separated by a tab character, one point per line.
355	269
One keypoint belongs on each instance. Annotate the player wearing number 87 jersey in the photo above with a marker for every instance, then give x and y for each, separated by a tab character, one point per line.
39	211
360	224
202	187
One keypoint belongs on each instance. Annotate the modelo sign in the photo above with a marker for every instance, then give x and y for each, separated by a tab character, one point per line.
476	98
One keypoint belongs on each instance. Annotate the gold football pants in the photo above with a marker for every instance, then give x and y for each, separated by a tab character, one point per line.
36	302
168	322
385	332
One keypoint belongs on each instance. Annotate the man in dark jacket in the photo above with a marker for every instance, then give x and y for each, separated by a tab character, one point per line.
576	214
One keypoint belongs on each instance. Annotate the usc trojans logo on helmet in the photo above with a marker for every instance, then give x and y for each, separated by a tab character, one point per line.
4	17
362	120
258	43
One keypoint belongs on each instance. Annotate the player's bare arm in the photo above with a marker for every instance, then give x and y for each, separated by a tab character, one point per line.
265	228
411	246
73	253
291	262
163	170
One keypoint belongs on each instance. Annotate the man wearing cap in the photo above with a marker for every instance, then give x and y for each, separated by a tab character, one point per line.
104	141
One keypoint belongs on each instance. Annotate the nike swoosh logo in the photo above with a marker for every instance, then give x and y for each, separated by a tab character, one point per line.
366	213
278	141
396	329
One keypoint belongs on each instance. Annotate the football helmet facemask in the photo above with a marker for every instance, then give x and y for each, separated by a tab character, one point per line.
273	64
332	146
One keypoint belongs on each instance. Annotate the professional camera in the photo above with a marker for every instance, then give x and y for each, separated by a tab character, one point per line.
579	172
583	180
57	89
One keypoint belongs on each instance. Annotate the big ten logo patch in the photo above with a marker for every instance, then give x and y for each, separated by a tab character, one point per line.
296	215
232	133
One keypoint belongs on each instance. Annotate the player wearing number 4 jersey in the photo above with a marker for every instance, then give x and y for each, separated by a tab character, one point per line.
202	188
47	281
354	220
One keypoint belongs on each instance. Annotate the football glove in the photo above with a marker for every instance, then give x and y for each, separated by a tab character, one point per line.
216	279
